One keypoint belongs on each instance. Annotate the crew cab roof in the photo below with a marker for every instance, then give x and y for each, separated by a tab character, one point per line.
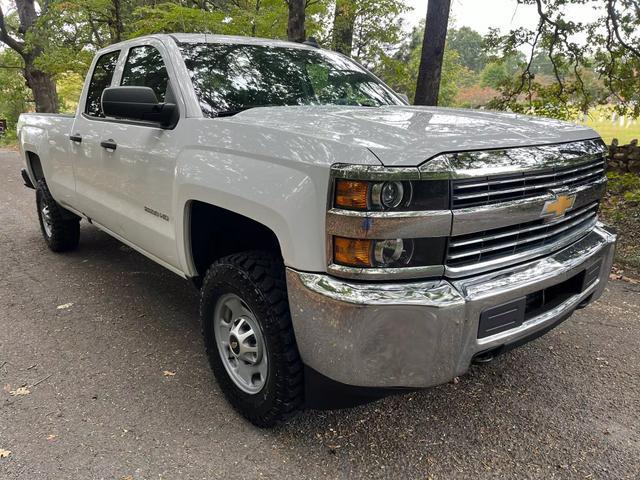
209	38
232	39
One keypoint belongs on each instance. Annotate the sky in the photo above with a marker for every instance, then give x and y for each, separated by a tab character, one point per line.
483	14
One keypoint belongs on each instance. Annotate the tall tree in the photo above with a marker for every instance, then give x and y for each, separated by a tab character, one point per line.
400	71
115	23
367	29
295	26
470	45
25	41
260	18
344	18
433	43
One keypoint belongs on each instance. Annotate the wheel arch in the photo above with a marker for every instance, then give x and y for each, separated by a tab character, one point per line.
34	166
212	232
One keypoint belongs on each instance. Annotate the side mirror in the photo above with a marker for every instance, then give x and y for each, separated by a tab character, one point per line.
137	103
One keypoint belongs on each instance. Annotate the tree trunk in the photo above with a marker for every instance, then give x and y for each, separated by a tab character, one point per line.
295	27
41	84
254	20
115	24
343	24
435	35
44	89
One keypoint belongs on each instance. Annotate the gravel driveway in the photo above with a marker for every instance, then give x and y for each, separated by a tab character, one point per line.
108	346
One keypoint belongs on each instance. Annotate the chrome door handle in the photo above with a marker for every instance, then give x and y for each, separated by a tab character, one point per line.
108	144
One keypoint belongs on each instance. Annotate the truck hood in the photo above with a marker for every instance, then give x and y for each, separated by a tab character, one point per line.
408	136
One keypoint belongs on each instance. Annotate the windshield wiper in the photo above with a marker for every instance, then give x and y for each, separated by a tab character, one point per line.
231	113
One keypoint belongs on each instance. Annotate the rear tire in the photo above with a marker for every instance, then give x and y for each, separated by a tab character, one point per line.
60	228
244	302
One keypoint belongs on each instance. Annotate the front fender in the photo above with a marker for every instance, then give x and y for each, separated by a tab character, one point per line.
290	198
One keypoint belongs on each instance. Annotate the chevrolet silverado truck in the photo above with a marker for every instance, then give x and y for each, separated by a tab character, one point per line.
346	244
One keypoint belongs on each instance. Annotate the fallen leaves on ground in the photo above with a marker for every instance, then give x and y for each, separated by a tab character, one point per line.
619	274
169	373
19	391
64	306
4	453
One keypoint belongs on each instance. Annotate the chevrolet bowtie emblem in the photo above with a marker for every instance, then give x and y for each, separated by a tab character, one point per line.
558	206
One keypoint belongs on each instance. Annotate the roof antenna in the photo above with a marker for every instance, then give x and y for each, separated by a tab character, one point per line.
312	42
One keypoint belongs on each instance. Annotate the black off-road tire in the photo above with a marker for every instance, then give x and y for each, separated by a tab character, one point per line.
258	278
63	233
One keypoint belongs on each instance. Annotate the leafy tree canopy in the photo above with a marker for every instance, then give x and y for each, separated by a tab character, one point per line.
605	69
470	46
14	94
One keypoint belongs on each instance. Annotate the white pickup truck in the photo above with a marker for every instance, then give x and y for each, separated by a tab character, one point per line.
346	245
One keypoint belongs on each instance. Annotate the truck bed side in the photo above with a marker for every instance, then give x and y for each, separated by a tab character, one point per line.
45	146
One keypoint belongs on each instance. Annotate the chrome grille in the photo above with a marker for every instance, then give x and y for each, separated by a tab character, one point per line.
516	239
503	188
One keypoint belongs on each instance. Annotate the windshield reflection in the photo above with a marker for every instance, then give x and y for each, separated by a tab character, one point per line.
229	78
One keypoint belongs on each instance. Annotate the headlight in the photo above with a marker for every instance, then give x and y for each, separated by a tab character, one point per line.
363	195
387	223
387	195
394	195
390	253
372	253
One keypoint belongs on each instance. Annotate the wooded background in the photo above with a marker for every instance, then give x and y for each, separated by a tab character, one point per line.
546	70
588	72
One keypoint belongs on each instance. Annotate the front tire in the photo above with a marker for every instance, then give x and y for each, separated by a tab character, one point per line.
60	228
249	337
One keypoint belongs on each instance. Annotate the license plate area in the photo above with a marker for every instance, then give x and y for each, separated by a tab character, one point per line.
515	312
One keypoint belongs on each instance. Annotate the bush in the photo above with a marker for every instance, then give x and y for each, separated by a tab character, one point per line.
621	209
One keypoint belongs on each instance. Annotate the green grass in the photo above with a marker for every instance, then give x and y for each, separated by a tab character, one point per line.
609	130
10	142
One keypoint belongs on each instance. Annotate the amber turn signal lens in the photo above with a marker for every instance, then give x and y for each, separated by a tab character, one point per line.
352	252
352	194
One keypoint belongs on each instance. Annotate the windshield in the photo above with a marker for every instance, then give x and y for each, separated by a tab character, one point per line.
229	78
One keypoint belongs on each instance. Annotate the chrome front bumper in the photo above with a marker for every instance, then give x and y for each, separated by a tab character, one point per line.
420	334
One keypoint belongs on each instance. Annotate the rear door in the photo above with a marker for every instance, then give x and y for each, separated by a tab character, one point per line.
129	183
86	135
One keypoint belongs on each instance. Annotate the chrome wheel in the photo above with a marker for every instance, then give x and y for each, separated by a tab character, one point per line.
240	343
47	223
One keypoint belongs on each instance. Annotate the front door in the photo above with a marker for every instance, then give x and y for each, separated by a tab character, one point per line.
128	185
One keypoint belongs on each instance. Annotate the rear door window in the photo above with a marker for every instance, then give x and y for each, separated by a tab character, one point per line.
101	79
145	68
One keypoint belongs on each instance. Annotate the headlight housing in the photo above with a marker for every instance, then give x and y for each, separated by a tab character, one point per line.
395	195
379	221
372	253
